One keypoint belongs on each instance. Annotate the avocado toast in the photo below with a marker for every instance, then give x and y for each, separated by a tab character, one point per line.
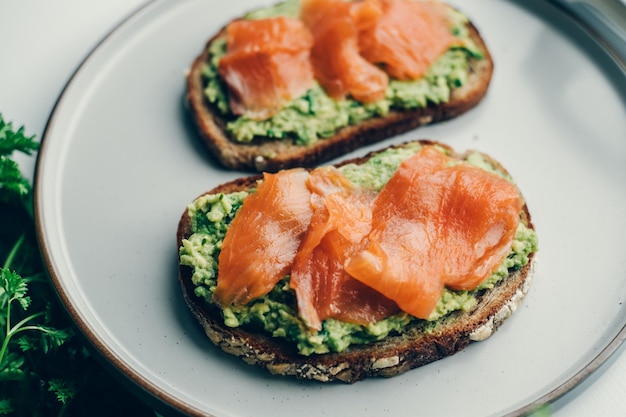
269	330
316	127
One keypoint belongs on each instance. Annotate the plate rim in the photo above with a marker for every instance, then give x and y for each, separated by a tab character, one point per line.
162	399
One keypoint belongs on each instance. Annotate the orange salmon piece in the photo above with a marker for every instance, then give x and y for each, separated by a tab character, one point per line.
266	65
338	66
341	220
263	238
408	37
436	225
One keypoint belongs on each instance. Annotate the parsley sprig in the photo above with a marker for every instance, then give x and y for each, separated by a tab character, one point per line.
46	368
12	184
13	290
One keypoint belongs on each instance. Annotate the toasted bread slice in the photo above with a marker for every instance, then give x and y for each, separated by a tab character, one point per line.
269	154
417	344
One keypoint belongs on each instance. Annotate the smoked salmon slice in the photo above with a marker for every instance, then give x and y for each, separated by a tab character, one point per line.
337	63
407	38
341	219
350	47
433	225
266	65
359	257
262	240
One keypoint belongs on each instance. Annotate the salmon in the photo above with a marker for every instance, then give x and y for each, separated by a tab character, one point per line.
350	48
266	65
341	220
407	38
360	257
337	63
263	238
436	225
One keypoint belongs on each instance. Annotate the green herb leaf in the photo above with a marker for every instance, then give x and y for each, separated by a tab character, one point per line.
26	344
13	185
50	338
14	288
12	181
63	389
5	406
15	140
11	367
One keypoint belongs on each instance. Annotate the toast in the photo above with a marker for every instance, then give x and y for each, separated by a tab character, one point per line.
271	154
417	343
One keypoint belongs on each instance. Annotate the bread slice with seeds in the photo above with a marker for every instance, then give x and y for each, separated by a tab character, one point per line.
264	153
416	344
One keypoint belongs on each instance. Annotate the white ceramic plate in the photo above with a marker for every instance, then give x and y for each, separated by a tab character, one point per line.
120	161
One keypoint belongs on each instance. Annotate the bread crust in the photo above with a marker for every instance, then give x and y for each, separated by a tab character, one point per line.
270	155
397	353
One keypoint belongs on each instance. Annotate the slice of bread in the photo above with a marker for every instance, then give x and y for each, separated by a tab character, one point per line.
268	154
417	344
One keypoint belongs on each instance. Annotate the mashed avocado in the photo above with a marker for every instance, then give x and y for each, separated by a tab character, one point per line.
277	314
315	115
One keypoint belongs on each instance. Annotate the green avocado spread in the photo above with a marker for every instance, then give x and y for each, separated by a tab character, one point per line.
276	312
315	115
